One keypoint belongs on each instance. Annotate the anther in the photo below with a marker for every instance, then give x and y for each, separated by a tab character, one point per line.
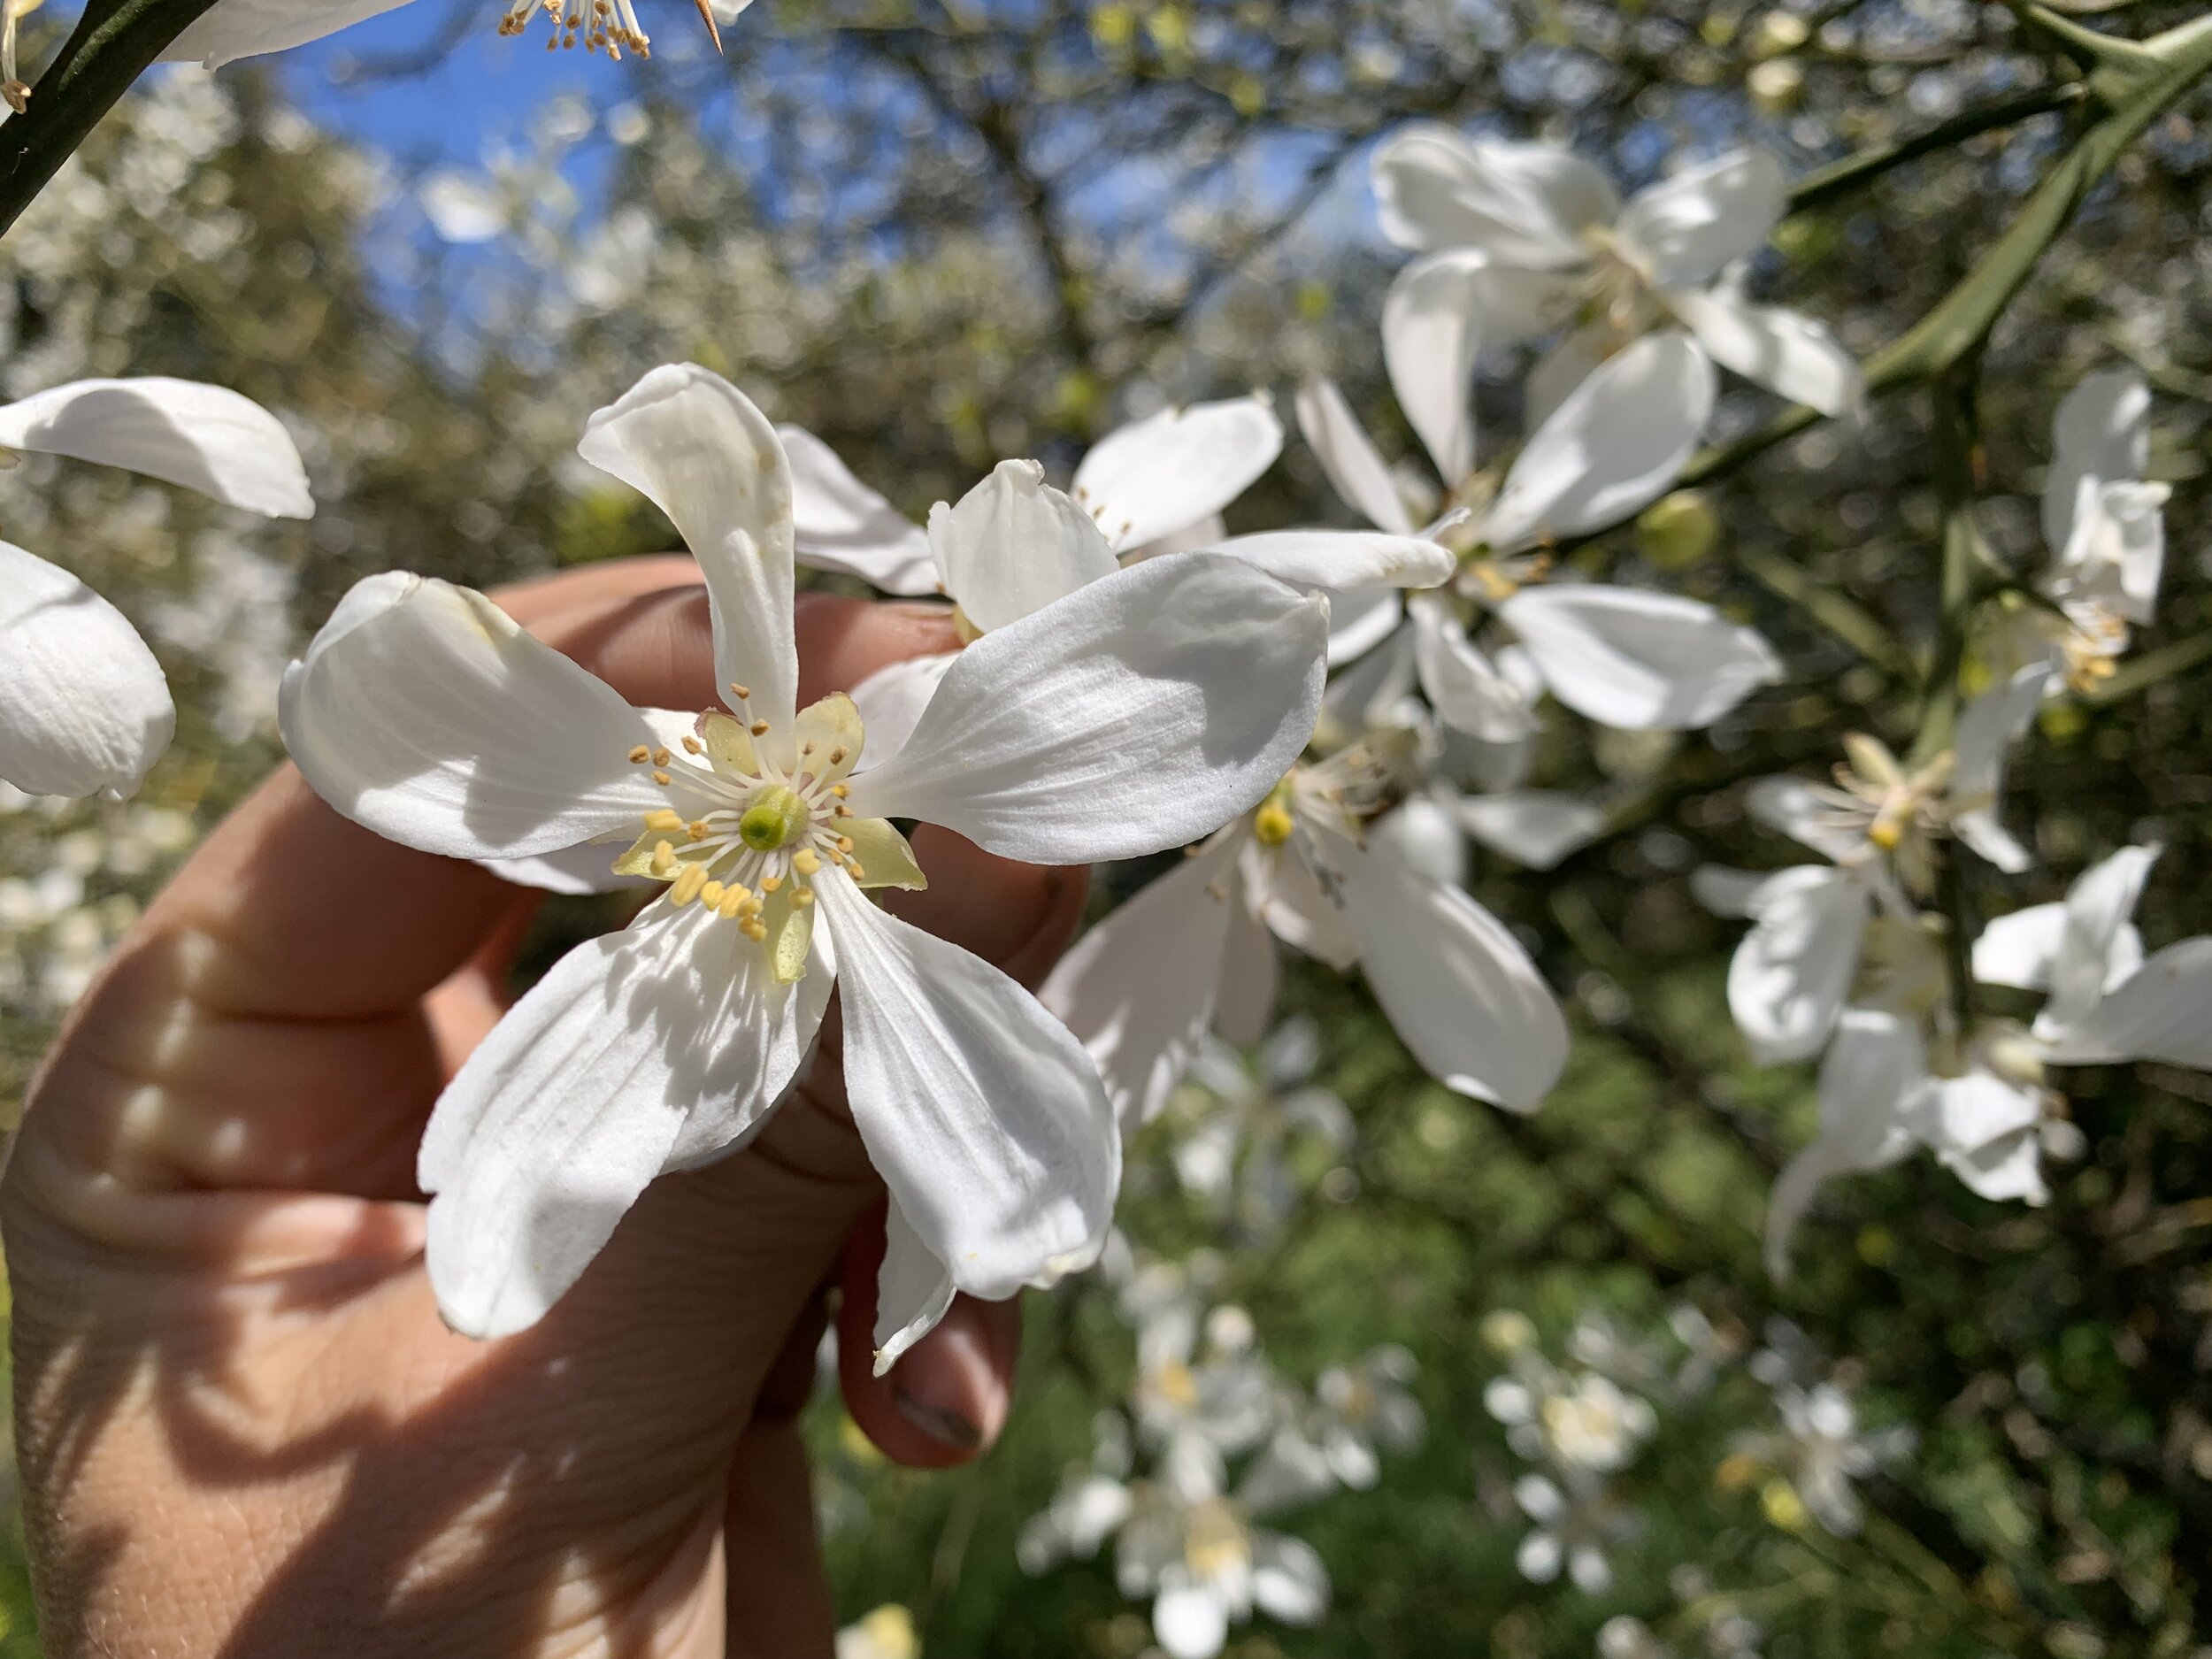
802	898
640	755
692	746
837	755
841	811
740	692
664	820
661	778
769	884
687	885
840	790
805	862
663	858
712	894
697	829
660	757
844	843
759	728
732	902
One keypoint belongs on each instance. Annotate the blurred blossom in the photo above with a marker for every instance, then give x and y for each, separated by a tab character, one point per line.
1574	1522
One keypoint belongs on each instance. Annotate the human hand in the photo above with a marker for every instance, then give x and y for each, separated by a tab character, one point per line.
244	1429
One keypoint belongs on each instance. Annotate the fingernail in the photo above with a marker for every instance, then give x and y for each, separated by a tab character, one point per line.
948	1388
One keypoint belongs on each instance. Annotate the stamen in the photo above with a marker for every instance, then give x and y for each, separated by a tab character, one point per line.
801	897
664	820
692	746
688	884
806	862
640	755
769	884
759	728
697	829
663	858
840	790
661	778
740	692
660	757
712	895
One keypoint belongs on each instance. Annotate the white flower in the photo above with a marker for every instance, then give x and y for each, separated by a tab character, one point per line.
1129	717
1363	1409
1574	1524
1822	1451
1525	240
84	707
232	29
2102	521
1144	986
1193	1411
1235	1155
1869	1091
1207	1566
1582	1424
1628	658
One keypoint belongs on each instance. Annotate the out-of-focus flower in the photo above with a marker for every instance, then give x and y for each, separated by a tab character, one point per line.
1174	691
1521	241
1581	1422
1232	1149
1822	1452
1363	1409
1574	1524
84	707
1207	1566
886	1633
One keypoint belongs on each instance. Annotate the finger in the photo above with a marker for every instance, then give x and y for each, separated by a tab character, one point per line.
946	1399
775	1588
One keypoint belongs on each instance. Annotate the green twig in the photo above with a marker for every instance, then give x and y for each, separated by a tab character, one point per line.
112	46
2163	663
1824	185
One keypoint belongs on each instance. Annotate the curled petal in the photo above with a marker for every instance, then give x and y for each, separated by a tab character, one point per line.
2158	1013
1139	713
1525	204
421	712
1015	544
1640	661
694	446
83	705
1871	1080
587	1090
839	524
1615	446
1686	228
2096	931
203	437
1467	692
892	699
232	29
1162	475
1343	559
982	1113
912	1290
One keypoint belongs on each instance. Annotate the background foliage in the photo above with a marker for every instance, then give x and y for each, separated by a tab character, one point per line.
941	233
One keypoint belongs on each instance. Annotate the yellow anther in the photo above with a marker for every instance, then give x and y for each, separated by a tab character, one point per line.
1271	825
663	858
844	843
805	862
840	790
853	869
740	692
769	884
687	885
664	820
802	898
732	900
660	757
837	755
692	746
697	829
808	746
756	929
661	778
640	755
759	728
712	895
841	811
1886	831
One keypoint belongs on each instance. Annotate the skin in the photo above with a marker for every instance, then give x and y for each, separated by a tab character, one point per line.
242	1428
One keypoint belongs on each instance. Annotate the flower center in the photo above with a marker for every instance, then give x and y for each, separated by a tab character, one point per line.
605	25
776	816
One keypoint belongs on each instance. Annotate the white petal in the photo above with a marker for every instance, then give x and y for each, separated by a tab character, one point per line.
2008	1168
1988	725
2117	552
1343	559
892	699
181	431
2021	950
1643	662
1539	1557
1536	827
1165	472
1612	448
232	29
1015	544
1783	350
1139	988
83	705
1539	1499
1249	974
912	1290
2101	431
423	712
982	1113
1289	1581
1731	893
588	867
1788	981
578	1098
1442	313
1872	1078
1975	1109
1296	907
462	207
839	524
1139	713
1455	982
2098	907
694	446
1467	692
1355	469
1688	227
1361	618
1423	832
2158	1013
1791	807
1190	1621
1525	204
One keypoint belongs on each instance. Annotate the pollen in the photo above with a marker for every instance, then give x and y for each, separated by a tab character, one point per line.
712	894
740	692
662	819
692	746
661	778
1271	825
688	884
663	858
640	755
769	884
805	862
697	829
661	757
